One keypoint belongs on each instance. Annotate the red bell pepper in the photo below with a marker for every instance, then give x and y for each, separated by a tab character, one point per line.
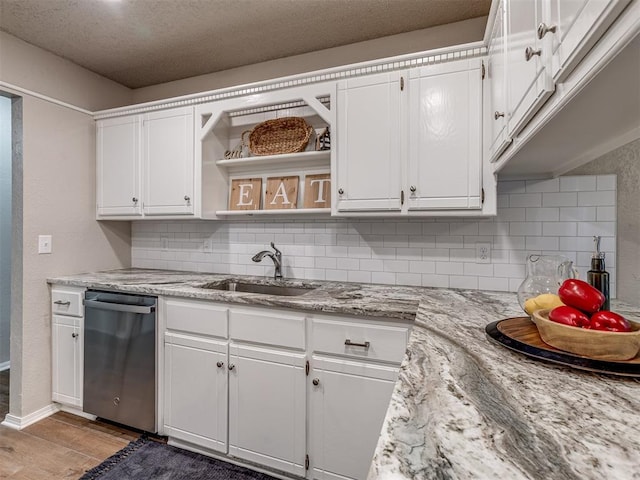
611	321
579	294
568	316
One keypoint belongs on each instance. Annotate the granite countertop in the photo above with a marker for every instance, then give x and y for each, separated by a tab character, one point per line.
385	301
466	408
463	407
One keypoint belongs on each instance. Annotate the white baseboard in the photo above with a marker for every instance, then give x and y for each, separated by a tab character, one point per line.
76	411
4	366
18	423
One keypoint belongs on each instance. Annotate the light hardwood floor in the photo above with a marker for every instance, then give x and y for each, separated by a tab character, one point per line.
62	446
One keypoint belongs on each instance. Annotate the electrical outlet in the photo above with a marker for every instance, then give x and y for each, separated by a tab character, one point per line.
164	242
207	246
483	252
44	243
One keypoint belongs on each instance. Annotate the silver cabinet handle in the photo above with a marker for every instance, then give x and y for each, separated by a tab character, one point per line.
530	52
60	302
497	115
187	198
412	189
543	29
220	364
75	335
316	381
231	366
340	191
364	345
134	199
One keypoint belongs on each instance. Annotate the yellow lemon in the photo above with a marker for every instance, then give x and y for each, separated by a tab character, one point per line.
530	306
548	300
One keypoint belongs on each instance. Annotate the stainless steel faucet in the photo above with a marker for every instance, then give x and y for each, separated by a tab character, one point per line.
276	257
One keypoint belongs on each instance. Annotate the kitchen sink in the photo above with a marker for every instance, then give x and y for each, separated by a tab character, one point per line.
264	289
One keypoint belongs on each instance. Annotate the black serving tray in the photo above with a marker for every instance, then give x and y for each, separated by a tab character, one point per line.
521	335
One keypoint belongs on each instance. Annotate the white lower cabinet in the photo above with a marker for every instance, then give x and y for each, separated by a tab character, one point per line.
195	396
303	395
348	404
67	360
67	346
267	407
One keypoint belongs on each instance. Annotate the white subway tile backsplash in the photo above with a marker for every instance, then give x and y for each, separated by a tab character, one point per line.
584	214
556	216
606	182
525	200
542	186
578	183
562	199
597	199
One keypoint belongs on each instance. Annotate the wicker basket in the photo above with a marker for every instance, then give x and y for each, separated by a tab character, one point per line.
280	135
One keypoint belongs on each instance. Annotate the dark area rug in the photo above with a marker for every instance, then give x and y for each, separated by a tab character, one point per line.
145	459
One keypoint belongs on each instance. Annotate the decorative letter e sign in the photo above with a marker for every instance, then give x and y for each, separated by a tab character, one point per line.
245	194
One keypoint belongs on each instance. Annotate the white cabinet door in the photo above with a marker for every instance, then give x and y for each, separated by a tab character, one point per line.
267	407
195	384
369	157
445	136
67	360
528	63
118	166
169	162
578	24
496	76
348	407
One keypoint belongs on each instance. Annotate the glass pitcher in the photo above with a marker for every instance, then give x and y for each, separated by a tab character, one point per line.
545	273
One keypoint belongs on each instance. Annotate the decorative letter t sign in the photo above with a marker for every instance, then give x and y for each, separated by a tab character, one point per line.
281	193
245	194
317	191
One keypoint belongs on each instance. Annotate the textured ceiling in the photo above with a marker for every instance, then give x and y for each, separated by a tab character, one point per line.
145	42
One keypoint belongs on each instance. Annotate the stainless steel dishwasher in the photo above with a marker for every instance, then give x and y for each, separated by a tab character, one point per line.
120	358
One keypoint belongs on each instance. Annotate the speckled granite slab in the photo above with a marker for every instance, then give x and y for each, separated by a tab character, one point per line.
386	301
466	408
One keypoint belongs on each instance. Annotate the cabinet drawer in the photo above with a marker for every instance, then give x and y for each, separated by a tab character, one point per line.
193	316
67	302
272	327
360	340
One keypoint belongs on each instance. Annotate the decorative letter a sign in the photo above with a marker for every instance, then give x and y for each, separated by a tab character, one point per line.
281	193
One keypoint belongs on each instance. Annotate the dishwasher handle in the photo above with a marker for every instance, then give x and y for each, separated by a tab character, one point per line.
118	307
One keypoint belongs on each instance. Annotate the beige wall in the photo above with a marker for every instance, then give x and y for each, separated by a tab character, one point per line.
32	68
58	198
625	163
54	193
421	40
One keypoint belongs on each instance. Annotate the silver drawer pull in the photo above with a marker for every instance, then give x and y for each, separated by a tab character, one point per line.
60	302
349	343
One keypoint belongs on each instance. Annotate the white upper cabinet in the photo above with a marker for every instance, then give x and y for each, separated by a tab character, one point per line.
410	142
371	113
573	27
118	167
445	141
146	165
496	76
169	162
528	61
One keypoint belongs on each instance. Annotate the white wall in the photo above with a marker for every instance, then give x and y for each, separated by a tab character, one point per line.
5	228
417	41
551	216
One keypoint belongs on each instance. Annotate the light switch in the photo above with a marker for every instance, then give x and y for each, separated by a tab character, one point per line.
44	243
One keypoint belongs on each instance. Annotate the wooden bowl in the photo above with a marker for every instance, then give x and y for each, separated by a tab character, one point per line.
596	344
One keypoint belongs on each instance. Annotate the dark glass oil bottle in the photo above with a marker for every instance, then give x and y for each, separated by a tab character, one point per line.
598	277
